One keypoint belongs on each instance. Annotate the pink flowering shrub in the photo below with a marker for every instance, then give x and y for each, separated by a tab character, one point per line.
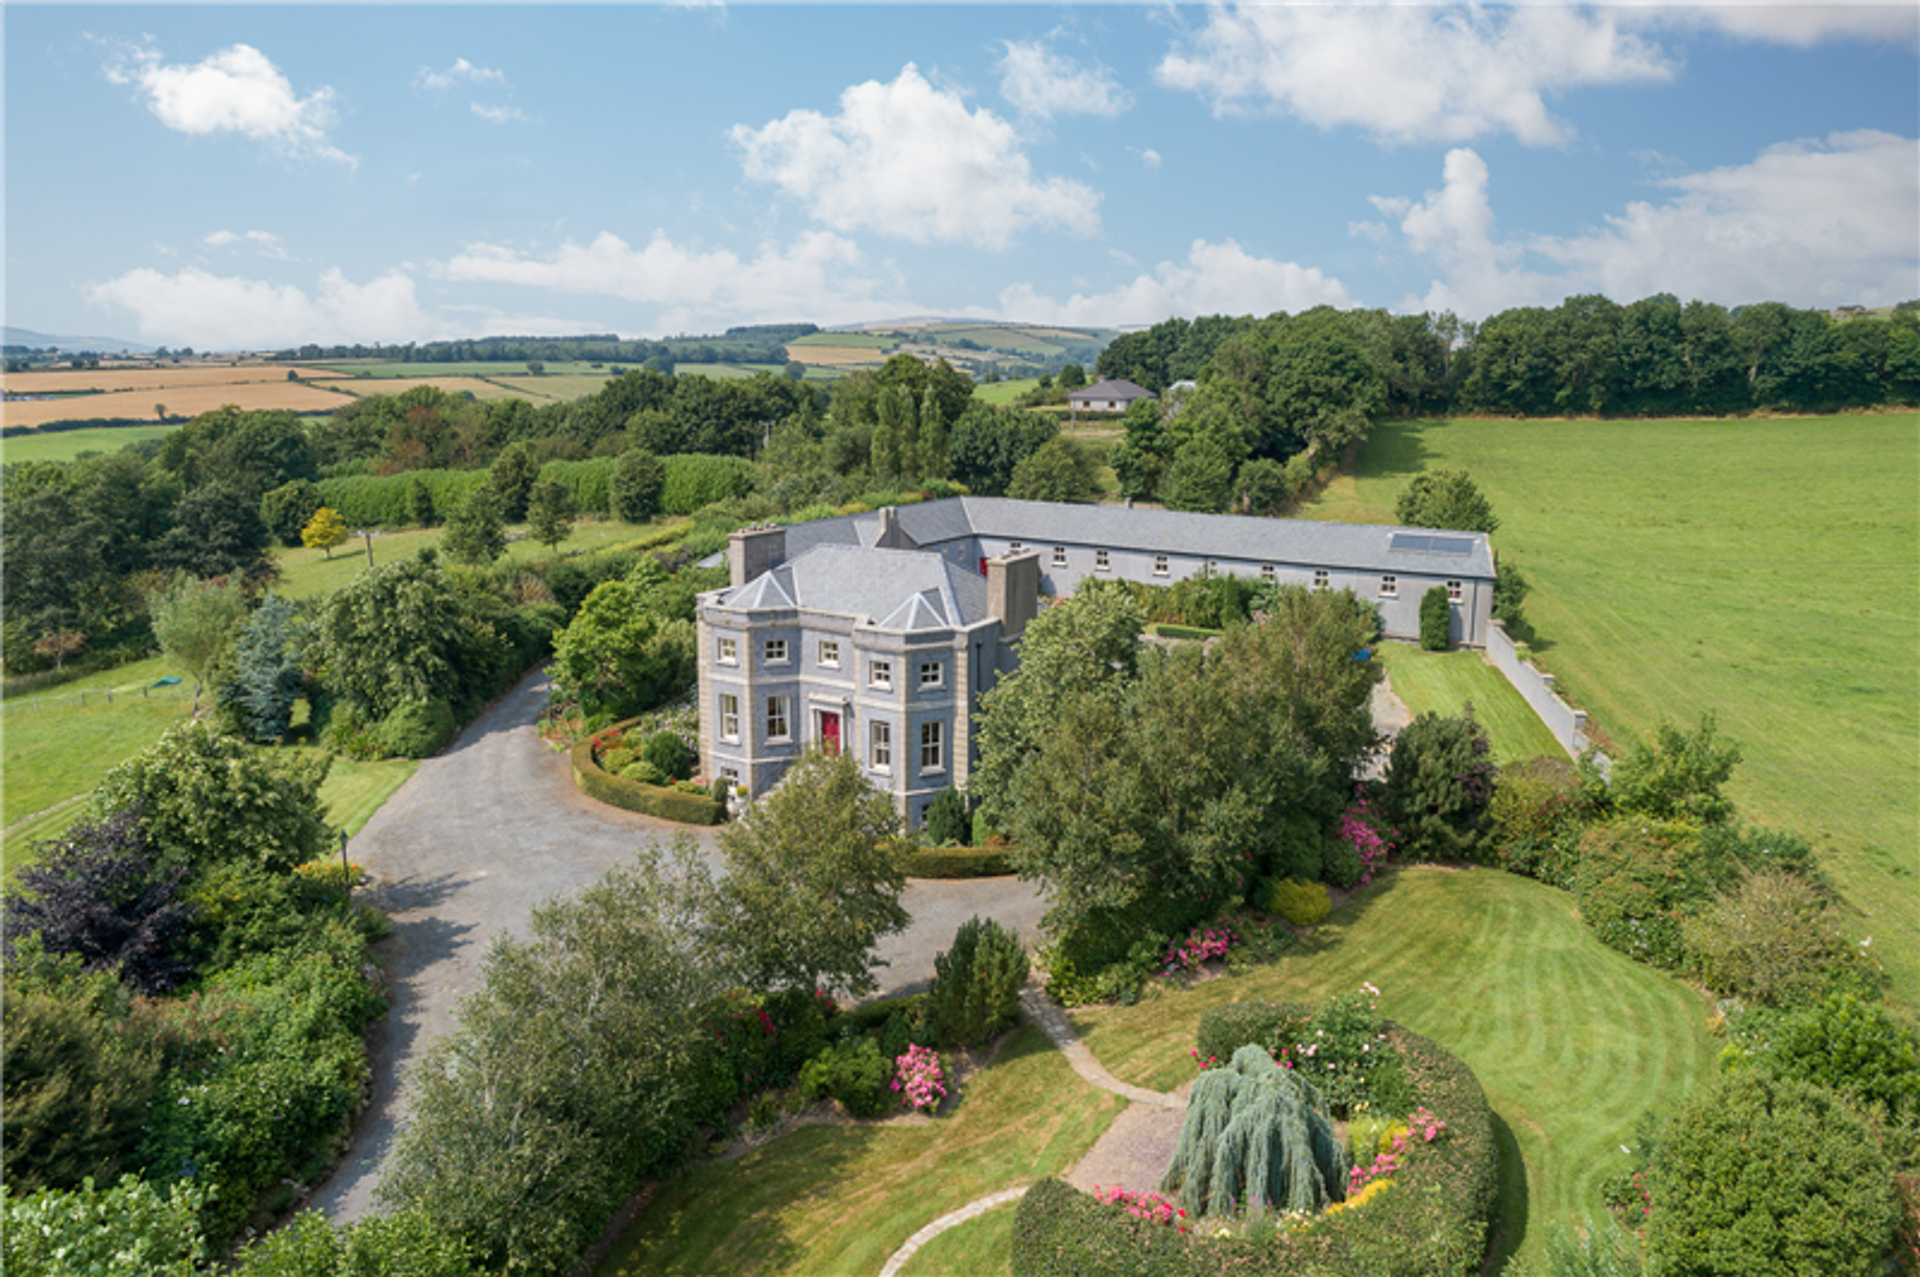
1151	1207
918	1078
1422	1127
1201	945
1361	828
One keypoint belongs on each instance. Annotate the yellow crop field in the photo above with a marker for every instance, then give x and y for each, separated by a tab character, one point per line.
142	377
181	400
839	356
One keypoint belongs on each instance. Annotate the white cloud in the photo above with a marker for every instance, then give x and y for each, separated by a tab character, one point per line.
499	114
1412	73
214	312
817	276
1810	222
1216	279
266	242
237	90
1040	82
1801	23
912	161
461	72
1149	158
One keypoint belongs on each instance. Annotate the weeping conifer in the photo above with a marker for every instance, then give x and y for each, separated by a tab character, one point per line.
1257	1137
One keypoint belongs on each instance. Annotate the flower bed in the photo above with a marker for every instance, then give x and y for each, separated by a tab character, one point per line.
664	801
1434	1219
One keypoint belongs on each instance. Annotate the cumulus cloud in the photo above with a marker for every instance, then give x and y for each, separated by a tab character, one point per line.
1810	222
216	312
237	90
1038	81
461	72
1412	73
1801	23
499	114
818	275
1216	279
911	161
1149	158
265	242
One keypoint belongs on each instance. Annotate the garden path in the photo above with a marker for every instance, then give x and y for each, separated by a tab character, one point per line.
493	826
1131	1153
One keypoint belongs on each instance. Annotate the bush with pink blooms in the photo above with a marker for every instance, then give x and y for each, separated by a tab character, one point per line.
1203	944
919	1079
1363	830
1151	1207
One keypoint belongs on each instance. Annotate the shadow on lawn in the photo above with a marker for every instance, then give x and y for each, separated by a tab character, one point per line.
1510	1227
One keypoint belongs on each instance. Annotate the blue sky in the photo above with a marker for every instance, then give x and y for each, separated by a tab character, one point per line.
238	176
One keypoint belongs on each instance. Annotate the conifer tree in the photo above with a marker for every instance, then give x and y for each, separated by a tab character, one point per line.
1257	1137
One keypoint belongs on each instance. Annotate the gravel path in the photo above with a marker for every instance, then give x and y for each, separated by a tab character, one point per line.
490	828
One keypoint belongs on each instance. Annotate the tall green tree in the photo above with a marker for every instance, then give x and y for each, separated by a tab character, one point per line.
638	479
216	532
286	509
1200	478
476	531
1445	499
420	510
513	475
811	880
621	655
394	633
263	676
193	621
1059	470
550	512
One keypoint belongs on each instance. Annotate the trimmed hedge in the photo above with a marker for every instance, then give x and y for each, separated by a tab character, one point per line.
951	862
632	795
1168	630
1434	1220
1226	1028
589	483
380	501
696	479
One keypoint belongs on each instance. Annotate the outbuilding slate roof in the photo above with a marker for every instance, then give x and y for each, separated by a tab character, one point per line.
898	589
1112	388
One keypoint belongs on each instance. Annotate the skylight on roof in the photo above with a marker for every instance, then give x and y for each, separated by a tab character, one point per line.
1421	543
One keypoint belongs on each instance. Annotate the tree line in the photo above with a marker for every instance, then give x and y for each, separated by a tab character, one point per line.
747	344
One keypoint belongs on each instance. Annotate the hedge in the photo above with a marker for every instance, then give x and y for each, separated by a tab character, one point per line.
589	483
1168	630
696	479
951	862
380	501
1435	1218
631	795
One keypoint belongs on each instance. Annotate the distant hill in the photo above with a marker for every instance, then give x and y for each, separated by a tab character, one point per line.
40	341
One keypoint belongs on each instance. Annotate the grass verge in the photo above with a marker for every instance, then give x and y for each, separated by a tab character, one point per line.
1763	570
983	1244
1571	1040
1445	682
836	1200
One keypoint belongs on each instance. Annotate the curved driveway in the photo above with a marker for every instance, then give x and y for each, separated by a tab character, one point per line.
482	833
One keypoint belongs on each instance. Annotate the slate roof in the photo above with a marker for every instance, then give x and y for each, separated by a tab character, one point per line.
1112	388
898	589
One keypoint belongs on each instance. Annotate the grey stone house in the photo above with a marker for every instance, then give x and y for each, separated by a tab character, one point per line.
878	633
1111	395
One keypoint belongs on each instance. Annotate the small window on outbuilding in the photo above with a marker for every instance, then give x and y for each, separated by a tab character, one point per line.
1321	579
1059	556
1102	561
1160	565
1454	592
1389	586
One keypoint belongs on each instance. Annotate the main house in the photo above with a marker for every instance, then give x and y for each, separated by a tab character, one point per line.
878	633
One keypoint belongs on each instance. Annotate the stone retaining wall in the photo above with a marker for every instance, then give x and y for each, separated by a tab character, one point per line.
1568	725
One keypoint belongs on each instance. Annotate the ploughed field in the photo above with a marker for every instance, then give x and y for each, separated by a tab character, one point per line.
1764	570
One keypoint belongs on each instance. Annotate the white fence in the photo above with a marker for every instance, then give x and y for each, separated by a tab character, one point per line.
1568	725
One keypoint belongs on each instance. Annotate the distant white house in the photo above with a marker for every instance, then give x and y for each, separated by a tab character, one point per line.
1107	396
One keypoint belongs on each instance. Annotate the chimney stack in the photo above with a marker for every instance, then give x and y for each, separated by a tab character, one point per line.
753	552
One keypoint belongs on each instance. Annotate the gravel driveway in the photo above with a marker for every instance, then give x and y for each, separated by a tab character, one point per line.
482	833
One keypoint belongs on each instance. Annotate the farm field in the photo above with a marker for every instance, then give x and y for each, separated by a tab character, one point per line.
1445	682
187	399
1760	570
1001	392
1501	971
840	1199
443	368
65	445
363	387
867	341
839	356
141	377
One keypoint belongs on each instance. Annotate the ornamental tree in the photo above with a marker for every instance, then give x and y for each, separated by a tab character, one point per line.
324	530
812	882
193	621
1438	784
264	674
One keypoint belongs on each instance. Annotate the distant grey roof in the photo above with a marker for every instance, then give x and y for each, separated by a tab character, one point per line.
1112	388
1353	546
897	589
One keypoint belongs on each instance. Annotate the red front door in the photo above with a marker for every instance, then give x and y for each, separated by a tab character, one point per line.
829	733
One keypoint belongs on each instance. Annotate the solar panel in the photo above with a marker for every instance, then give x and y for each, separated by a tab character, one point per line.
1451	545
1408	543
1420	543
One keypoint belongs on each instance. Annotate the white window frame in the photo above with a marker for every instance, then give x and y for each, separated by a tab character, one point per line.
774	651
830	654
1059	556
932	745
727	650
1456	593
1268	572
938	672
880	674
1102	561
1162	566
1322	579
1213	567
779	714
729	716
1014	547
731	775
1389	586
880	745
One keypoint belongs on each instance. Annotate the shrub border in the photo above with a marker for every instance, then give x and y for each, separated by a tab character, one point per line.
951	862
632	795
1059	1231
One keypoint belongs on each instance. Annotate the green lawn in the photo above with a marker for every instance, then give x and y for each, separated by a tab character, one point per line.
1762	570
1444	682
65	445
1571	1040
1002	392
56	749
983	1244
837	1200
869	341
306	573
